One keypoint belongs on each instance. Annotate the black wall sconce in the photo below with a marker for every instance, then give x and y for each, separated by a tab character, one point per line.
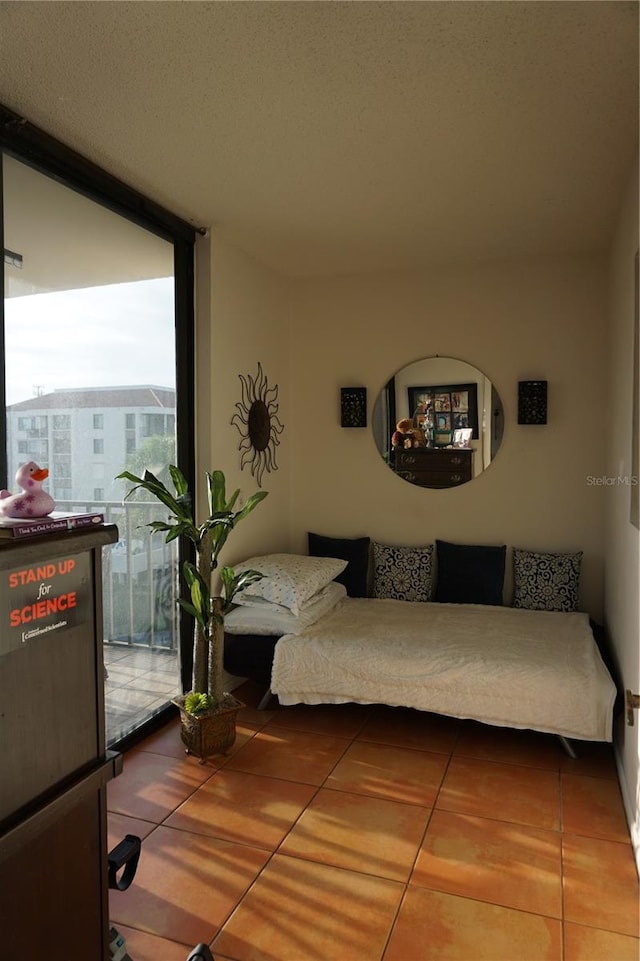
532	402
353	406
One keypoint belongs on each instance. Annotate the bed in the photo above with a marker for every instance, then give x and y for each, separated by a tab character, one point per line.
507	666
498	665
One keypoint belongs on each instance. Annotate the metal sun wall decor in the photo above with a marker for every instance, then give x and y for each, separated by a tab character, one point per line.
258	424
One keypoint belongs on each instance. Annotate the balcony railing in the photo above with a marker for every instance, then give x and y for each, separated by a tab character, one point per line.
139	577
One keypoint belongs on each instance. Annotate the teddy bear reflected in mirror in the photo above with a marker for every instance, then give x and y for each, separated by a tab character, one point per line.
406	435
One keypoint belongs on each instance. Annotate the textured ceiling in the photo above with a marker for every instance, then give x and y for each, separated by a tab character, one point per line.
332	137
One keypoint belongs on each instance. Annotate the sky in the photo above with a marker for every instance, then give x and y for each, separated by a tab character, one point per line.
116	335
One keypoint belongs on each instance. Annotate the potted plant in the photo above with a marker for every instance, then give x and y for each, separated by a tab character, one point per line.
207	713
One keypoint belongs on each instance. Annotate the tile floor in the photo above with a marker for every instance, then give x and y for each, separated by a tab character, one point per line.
366	833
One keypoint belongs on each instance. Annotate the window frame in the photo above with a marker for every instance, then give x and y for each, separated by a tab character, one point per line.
33	146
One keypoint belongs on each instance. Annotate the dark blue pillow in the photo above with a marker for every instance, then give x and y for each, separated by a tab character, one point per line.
354	550
470	574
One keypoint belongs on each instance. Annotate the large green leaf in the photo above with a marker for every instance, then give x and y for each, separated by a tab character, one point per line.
161	526
233	583
244	578
179	480
217	495
251	503
231	503
200	594
188	607
176	531
157	489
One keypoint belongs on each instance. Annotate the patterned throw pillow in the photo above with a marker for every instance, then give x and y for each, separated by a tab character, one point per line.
402	573
546	582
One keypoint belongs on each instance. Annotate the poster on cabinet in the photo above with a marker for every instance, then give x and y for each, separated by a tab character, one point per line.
43	600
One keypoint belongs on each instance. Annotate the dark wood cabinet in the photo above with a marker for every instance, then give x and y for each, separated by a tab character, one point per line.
55	767
433	466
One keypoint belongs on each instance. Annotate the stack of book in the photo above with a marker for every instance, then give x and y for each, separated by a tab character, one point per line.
53	523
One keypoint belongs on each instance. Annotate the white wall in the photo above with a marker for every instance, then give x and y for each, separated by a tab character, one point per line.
514	321
622	542
242	319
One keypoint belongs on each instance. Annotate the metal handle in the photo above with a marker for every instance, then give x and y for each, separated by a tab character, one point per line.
632	703
126	853
201	953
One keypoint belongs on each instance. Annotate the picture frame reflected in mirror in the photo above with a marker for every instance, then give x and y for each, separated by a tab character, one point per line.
445	407
462	437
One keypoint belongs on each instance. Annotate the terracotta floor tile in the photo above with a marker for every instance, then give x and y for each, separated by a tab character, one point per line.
395	773
147	947
507	792
365	834
418	730
338	720
343	797
166	741
593	807
595	759
592	944
241	807
151	786
186	885
302	911
509	746
292	755
118	825
244	733
600	884
251	694
441	927
251	719
509	864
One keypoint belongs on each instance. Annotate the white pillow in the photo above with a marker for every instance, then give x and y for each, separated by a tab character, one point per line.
272	619
261	603
289	579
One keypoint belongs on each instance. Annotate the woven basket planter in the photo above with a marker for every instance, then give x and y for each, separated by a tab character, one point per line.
211	733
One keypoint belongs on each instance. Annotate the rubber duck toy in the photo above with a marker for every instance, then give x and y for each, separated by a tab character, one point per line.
32	501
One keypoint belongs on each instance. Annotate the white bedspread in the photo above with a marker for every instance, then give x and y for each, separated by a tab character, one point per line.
499	665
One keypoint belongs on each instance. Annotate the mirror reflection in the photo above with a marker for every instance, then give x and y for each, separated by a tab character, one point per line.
438	422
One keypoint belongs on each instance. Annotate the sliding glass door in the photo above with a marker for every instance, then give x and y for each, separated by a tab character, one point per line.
90	371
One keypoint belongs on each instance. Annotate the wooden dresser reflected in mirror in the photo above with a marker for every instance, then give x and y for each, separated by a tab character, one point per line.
433	466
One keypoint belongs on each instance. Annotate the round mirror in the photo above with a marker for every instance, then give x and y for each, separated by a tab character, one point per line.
438	422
